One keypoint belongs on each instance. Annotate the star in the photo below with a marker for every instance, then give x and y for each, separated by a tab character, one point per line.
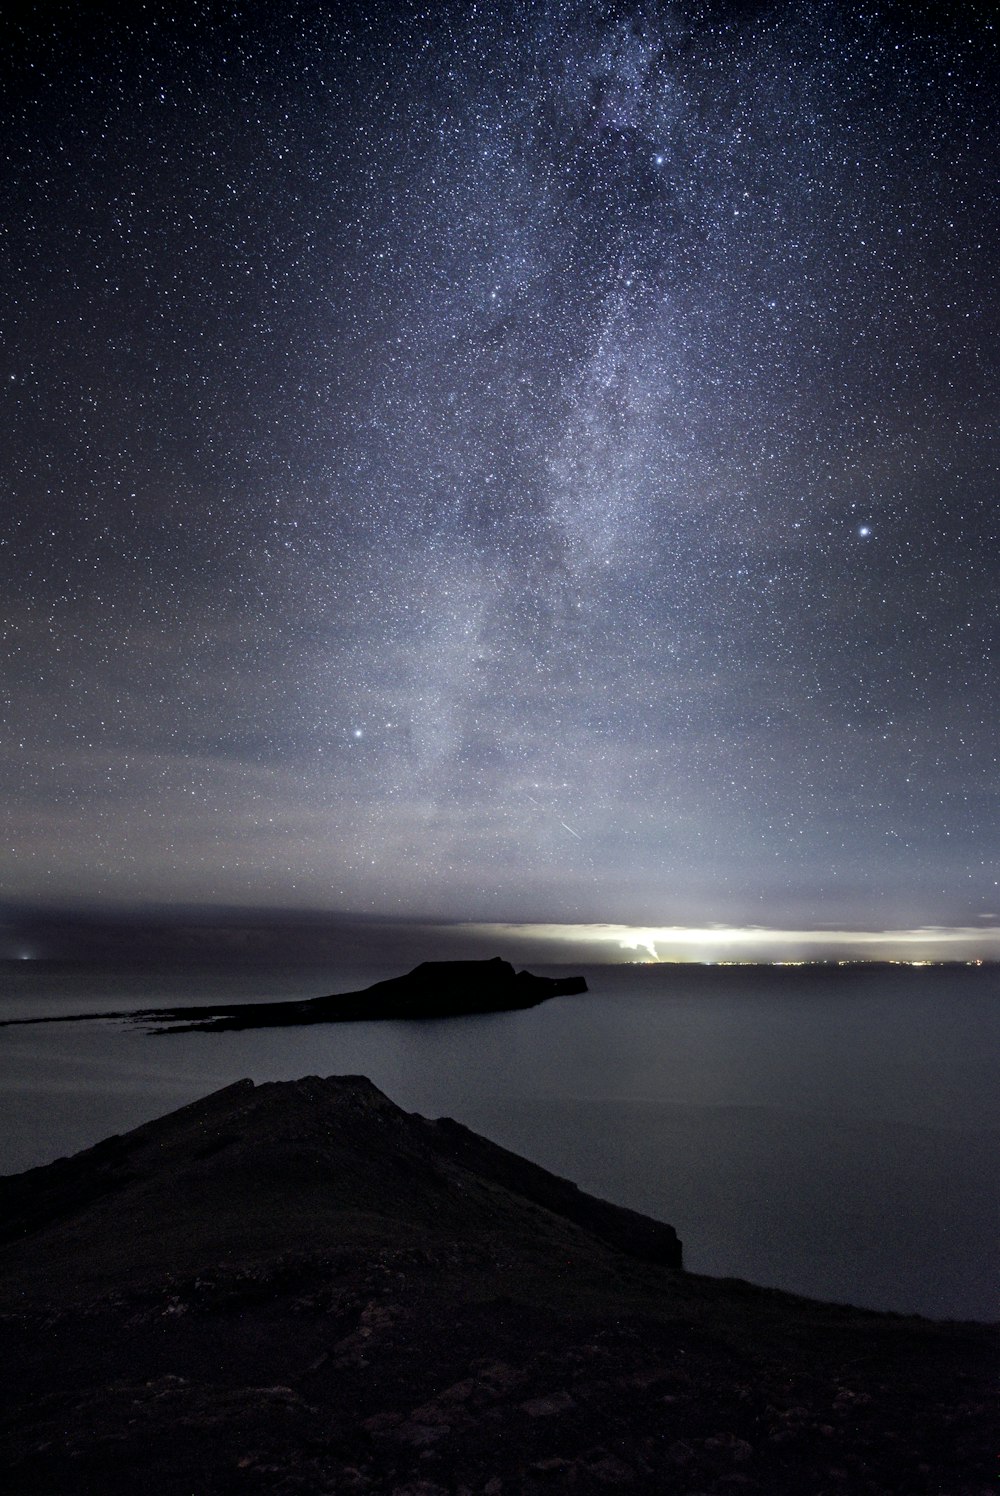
449	387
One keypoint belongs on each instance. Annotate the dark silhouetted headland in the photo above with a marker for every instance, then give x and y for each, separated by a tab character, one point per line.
434	989
298	1287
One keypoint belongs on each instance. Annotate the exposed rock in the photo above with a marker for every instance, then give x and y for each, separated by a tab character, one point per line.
545	1407
298	1288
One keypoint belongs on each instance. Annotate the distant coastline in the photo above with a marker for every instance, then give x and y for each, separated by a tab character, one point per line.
434	989
211	933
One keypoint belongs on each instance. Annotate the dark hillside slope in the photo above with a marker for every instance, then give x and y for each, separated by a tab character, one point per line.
299	1288
251	1170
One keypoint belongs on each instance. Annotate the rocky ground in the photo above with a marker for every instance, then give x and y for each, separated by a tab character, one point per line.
299	1288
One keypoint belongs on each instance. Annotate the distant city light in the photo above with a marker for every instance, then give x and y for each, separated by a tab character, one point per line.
735	945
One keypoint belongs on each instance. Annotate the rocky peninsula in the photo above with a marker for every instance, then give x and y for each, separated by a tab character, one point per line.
299	1288
434	989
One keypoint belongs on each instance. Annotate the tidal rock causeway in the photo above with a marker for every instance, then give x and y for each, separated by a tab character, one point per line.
434	989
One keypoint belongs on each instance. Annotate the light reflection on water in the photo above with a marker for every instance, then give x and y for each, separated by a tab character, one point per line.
835	1137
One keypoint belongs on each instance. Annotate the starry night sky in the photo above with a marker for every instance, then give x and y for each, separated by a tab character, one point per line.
502	462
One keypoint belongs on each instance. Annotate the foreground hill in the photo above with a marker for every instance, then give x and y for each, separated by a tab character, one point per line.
298	1287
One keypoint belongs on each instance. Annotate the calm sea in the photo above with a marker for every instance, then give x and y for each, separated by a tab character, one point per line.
833	1134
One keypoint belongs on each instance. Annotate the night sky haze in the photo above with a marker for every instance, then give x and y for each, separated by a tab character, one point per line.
514	465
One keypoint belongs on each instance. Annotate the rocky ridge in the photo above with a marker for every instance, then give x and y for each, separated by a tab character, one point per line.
299	1288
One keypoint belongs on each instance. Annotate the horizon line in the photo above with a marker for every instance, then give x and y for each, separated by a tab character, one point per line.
757	944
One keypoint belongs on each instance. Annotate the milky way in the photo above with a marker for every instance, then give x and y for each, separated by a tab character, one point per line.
503	462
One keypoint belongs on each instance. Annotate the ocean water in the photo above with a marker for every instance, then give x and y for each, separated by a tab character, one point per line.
833	1133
